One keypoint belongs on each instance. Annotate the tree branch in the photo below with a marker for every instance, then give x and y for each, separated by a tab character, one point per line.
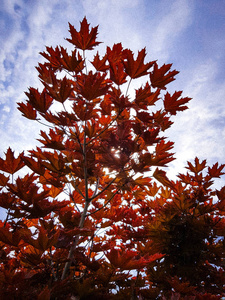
104	204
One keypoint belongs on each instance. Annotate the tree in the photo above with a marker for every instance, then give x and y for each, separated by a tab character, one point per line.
88	220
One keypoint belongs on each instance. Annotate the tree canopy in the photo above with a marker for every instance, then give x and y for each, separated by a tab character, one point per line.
96	216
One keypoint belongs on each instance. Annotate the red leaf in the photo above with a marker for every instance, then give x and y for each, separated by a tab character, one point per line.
91	86
216	170
54	140
73	62
61	90
53	56
41	102
3	180
43	241
84	39
35	166
100	64
173	104
117	73
136	68
27	110
159	78
145	97
106	105
11	164
115	57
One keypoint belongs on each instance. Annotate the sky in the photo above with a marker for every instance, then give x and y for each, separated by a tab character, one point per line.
188	33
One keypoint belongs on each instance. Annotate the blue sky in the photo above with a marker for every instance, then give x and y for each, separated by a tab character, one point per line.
188	33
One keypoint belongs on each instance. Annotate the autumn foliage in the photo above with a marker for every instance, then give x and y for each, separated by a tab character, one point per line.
95	216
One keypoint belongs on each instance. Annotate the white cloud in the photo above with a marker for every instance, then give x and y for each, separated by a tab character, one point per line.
200	131
176	17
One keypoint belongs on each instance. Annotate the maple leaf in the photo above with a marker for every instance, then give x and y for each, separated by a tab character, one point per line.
144	117
8	237
159	78
84	39
53	141
63	118
27	110
136	68
43	242
54	191
11	164
3	179
106	107
115	57
73	62
91	86
46	73
61	90
198	167
160	175
117	73
120	259
143	181
173	104
35	166
100	64
216	170
53	161
161	119
116	54
150	136
41	102
145	97
53	56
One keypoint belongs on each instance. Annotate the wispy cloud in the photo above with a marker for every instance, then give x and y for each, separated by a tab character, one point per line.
174	17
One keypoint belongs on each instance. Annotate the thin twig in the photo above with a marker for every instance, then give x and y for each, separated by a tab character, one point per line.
105	188
104	204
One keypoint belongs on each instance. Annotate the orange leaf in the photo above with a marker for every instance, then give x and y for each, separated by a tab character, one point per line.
143	181
198	167
54	191
160	175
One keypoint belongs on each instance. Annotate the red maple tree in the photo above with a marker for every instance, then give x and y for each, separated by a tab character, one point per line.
89	220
